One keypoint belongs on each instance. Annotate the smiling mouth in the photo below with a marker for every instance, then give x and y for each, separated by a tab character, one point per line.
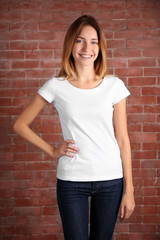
85	55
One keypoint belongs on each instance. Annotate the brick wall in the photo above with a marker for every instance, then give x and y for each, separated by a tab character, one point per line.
31	38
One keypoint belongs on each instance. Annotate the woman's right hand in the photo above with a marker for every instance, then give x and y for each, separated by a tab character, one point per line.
67	148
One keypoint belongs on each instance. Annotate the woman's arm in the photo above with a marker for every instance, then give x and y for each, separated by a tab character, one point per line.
21	127
121	133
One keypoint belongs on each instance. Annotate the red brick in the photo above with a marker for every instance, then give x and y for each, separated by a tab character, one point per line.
140	118
145	137
142	228
44	237
151	182
12	55
151	72
39	35
116	43
151	200
52	26
145	155
151	33
10	16
40	73
16	36
134	109
135	91
31	16
88	5
140	81
4	6
149	210
6	175
150	164
40	166
117	63
49	64
5	102
126	53
51	6
142	24
140	43
126	14
128	236
112	4
5	83
6	193
151	91
4	45
142	100
115	24
151	146
11	166
46	16
103	16
149	127
151	13
25	64
128	34
24	26
27	193
21	45
50	210
27	211
128	71
21	101
50	45
143	62
134	127
152	109
140	4
154	52
12	148
67	15
4	26
158	136
27	175
7	231
23	6
12	74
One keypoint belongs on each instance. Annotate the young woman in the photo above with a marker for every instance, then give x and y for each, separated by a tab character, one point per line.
95	157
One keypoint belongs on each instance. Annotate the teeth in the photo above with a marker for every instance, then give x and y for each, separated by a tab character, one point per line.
86	56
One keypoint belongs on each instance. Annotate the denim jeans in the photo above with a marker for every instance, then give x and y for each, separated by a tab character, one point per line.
73	201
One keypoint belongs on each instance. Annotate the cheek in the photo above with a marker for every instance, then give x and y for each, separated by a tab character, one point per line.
97	50
74	50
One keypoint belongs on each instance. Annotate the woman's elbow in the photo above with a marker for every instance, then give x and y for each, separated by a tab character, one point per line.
123	141
17	127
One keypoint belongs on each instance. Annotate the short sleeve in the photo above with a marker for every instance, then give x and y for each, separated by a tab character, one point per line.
121	91
47	91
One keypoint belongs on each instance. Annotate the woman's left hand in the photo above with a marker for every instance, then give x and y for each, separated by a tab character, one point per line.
127	205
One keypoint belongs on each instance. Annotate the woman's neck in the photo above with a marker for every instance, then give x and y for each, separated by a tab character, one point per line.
85	74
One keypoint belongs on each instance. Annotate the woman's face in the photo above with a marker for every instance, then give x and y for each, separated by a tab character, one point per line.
86	47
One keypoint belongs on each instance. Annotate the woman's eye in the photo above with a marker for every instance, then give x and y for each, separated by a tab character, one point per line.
78	40
94	42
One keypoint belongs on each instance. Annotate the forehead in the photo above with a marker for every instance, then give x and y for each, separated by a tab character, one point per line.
89	32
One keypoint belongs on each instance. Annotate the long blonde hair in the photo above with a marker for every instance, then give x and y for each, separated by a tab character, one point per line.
68	66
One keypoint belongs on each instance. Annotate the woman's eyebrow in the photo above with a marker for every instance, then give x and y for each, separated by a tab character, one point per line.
91	39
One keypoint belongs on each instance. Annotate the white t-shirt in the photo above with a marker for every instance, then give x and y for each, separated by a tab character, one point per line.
86	116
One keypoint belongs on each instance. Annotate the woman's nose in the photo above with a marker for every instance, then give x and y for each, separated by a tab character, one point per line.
86	46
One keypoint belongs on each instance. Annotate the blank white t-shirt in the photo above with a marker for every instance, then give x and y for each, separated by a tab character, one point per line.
86	116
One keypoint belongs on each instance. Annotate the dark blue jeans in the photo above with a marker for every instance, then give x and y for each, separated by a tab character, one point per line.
73	202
